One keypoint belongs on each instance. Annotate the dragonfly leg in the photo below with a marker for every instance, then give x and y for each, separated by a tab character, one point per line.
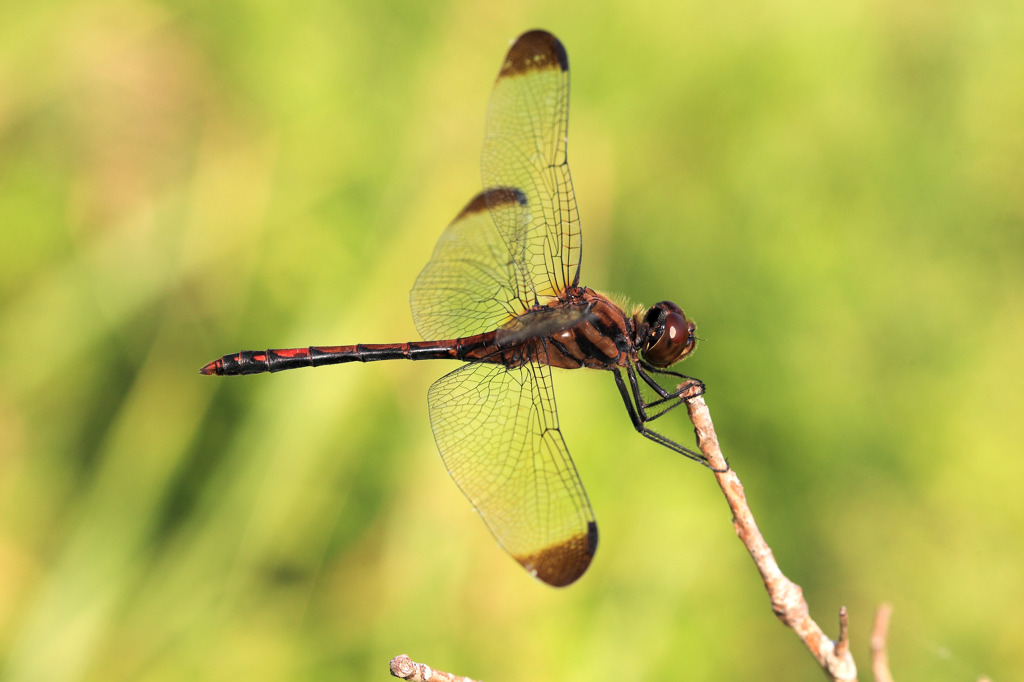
636	406
686	387
684	383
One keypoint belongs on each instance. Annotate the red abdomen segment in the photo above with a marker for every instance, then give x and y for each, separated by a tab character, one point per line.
275	360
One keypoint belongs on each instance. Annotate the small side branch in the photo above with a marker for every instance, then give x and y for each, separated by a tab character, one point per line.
787	598
879	644
405	668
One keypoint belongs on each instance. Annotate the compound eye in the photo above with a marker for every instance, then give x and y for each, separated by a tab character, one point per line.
671	336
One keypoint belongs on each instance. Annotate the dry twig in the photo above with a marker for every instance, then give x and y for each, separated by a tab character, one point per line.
879	644
787	598
405	668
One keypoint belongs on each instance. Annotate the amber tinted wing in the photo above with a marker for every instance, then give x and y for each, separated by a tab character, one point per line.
470	284
479	277
496	427
525	148
497	430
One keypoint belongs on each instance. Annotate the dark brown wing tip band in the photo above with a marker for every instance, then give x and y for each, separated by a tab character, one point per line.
495	197
562	564
535	50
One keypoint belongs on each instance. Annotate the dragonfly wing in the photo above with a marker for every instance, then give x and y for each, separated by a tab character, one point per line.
497	430
525	147
470	284
514	244
491	265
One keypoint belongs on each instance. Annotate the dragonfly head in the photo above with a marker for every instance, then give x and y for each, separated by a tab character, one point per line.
665	335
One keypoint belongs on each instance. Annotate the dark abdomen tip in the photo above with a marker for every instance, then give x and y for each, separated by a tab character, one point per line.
215	367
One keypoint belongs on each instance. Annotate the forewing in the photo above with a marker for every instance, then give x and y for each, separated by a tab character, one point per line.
470	285
497	430
525	147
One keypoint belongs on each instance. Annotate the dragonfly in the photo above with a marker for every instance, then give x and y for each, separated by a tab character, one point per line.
501	292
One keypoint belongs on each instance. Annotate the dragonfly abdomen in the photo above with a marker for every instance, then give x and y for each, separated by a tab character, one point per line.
278	359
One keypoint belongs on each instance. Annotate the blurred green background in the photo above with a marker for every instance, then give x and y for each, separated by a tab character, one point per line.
835	192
